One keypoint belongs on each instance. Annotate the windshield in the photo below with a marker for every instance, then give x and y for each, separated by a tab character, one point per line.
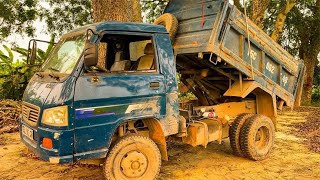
65	55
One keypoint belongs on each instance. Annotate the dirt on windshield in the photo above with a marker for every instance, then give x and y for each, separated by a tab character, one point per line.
291	158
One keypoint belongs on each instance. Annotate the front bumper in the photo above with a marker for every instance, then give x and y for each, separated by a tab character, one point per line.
62	151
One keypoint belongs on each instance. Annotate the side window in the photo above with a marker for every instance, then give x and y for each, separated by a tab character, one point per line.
137	49
142	55
126	53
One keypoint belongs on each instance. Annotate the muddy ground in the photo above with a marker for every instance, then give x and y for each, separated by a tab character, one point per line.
290	159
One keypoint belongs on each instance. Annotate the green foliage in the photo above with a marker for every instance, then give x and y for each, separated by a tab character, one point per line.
303	27
65	15
152	9
271	15
17	16
316	87
184	96
13	74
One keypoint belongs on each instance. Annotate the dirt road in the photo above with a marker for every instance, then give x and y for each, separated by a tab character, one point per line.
290	159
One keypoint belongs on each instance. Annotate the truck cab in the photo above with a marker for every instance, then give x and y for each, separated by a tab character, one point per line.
73	107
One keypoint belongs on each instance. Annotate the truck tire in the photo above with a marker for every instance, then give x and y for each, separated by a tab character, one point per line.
133	157
257	137
170	22
234	132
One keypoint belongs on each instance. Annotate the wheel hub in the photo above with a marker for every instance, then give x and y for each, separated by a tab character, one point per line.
261	137
134	164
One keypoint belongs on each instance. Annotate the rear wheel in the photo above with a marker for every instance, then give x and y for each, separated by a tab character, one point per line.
133	157
257	137
234	132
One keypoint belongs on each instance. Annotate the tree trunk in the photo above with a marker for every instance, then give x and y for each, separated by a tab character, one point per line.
258	9
310	61
114	10
278	27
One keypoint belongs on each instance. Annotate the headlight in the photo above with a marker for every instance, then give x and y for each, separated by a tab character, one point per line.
57	116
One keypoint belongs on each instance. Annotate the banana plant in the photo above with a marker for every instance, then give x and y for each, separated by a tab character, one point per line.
15	73
10	74
41	54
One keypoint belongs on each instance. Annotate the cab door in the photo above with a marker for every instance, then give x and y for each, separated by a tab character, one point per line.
104	100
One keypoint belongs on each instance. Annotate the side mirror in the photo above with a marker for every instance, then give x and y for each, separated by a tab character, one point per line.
32	53
90	54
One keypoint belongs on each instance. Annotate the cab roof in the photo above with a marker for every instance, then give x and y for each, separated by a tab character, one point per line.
122	26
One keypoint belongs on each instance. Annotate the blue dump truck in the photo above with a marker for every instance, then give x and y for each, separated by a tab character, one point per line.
110	90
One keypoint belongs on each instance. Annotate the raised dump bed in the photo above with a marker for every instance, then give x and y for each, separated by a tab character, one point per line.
213	35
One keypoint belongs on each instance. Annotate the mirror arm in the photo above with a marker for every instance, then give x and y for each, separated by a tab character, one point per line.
34	41
93	32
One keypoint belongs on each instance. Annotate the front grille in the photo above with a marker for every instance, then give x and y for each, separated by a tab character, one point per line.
30	113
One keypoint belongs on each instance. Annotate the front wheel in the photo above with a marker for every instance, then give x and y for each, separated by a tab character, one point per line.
133	157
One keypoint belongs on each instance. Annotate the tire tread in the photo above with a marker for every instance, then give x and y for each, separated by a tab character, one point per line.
171	24
245	135
234	132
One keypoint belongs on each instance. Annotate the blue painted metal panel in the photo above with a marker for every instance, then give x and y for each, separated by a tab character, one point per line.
272	69
167	61
196	20
285	82
123	26
101	106
47	94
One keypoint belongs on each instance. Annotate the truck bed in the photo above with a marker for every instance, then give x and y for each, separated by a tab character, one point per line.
212	34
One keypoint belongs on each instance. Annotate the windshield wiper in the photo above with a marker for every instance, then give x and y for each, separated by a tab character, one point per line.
54	76
39	74
53	69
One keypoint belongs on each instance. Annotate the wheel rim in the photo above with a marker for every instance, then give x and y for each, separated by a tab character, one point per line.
262	137
134	164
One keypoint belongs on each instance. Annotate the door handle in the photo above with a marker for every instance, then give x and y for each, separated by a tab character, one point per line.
154	85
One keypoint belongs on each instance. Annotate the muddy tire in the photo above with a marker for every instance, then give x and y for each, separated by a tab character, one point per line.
170	22
257	137
234	133
133	157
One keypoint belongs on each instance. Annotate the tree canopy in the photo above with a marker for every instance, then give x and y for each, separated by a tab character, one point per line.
18	16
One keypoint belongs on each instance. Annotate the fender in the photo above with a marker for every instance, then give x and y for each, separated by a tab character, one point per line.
156	133
265	99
